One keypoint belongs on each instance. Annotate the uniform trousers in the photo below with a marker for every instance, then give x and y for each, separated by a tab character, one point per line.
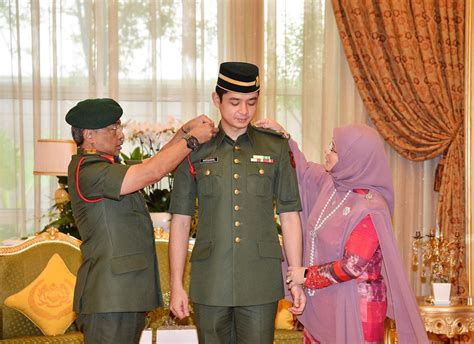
240	324
113	328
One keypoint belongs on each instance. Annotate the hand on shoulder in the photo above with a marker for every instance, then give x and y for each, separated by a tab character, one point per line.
268	123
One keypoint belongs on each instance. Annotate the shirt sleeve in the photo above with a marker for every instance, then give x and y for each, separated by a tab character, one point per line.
98	178
286	189
358	251
183	196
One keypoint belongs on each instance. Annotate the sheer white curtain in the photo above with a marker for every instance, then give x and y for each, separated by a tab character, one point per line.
157	58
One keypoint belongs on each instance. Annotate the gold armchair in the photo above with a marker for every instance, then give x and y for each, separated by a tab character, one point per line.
20	265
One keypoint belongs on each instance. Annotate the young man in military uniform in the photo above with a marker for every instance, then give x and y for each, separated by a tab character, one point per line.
236	279
118	280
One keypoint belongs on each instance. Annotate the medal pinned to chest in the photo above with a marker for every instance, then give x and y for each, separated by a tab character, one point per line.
262	160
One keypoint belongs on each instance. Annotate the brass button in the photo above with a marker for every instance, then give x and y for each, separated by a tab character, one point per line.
236	176
207	172
236	207
236	148
261	171
236	161
237	240
237	223
237	192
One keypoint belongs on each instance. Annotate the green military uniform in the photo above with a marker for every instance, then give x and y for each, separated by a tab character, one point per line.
118	280
119	272
236	260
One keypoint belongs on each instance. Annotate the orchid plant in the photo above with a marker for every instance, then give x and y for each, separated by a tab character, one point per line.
148	139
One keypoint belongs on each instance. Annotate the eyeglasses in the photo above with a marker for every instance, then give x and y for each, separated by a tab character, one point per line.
332	148
116	127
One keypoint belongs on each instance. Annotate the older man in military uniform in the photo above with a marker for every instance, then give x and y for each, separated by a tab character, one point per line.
118	280
236	279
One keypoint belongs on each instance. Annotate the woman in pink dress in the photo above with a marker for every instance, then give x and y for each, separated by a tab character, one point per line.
353	273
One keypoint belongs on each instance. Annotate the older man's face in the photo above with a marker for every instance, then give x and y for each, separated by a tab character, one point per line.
109	140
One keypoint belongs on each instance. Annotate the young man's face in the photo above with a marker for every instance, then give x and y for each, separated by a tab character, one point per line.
237	110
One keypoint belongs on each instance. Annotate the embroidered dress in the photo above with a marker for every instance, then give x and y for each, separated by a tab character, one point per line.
343	308
362	261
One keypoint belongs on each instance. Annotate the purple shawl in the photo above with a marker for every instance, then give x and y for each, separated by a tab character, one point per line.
332	315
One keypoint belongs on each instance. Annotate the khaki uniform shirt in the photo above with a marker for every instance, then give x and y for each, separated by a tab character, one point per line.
236	260
119	272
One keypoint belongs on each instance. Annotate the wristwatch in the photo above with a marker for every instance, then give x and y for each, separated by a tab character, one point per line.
191	142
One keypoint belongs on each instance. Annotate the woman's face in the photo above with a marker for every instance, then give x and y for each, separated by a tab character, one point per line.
330	157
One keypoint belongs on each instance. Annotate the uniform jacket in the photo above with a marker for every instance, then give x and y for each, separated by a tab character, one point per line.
119	271
236	260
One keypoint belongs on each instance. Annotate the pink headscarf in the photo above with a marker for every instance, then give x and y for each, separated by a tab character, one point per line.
362	162
332	315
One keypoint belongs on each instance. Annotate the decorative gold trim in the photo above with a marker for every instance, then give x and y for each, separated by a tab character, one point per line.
469	148
237	82
50	235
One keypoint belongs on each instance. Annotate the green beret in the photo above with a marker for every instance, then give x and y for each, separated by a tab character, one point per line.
94	113
238	77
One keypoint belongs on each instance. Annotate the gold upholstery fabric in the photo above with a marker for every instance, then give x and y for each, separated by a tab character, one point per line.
19	266
47	301
288	336
71	337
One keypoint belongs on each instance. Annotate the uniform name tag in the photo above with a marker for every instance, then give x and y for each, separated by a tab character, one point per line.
262	158
209	160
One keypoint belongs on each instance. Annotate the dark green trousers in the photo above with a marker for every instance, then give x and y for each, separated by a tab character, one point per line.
243	324
113	328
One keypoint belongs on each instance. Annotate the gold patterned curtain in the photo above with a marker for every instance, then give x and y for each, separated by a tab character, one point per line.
407	60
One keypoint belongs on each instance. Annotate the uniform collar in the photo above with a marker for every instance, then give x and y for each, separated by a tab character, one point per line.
221	135
111	158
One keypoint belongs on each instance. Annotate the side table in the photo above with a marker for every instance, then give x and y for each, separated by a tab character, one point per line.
452	320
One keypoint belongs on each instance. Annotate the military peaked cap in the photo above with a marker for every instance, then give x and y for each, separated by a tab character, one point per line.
94	113
238	77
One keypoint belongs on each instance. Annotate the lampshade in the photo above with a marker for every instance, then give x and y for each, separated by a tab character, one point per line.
52	157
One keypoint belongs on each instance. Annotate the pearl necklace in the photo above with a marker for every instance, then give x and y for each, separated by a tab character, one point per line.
319	223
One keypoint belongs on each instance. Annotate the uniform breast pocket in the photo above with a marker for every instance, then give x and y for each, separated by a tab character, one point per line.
259	179
208	177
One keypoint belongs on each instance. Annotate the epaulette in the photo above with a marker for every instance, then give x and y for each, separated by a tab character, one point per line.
269	131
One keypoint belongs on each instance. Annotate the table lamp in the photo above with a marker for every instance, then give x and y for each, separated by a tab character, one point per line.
52	158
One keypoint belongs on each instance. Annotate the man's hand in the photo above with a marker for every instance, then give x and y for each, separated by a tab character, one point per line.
299	300
193	123
204	132
179	303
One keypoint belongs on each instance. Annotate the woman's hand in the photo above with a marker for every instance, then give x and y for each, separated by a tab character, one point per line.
269	124
295	276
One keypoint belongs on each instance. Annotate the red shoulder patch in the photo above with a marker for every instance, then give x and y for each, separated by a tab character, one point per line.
292	159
